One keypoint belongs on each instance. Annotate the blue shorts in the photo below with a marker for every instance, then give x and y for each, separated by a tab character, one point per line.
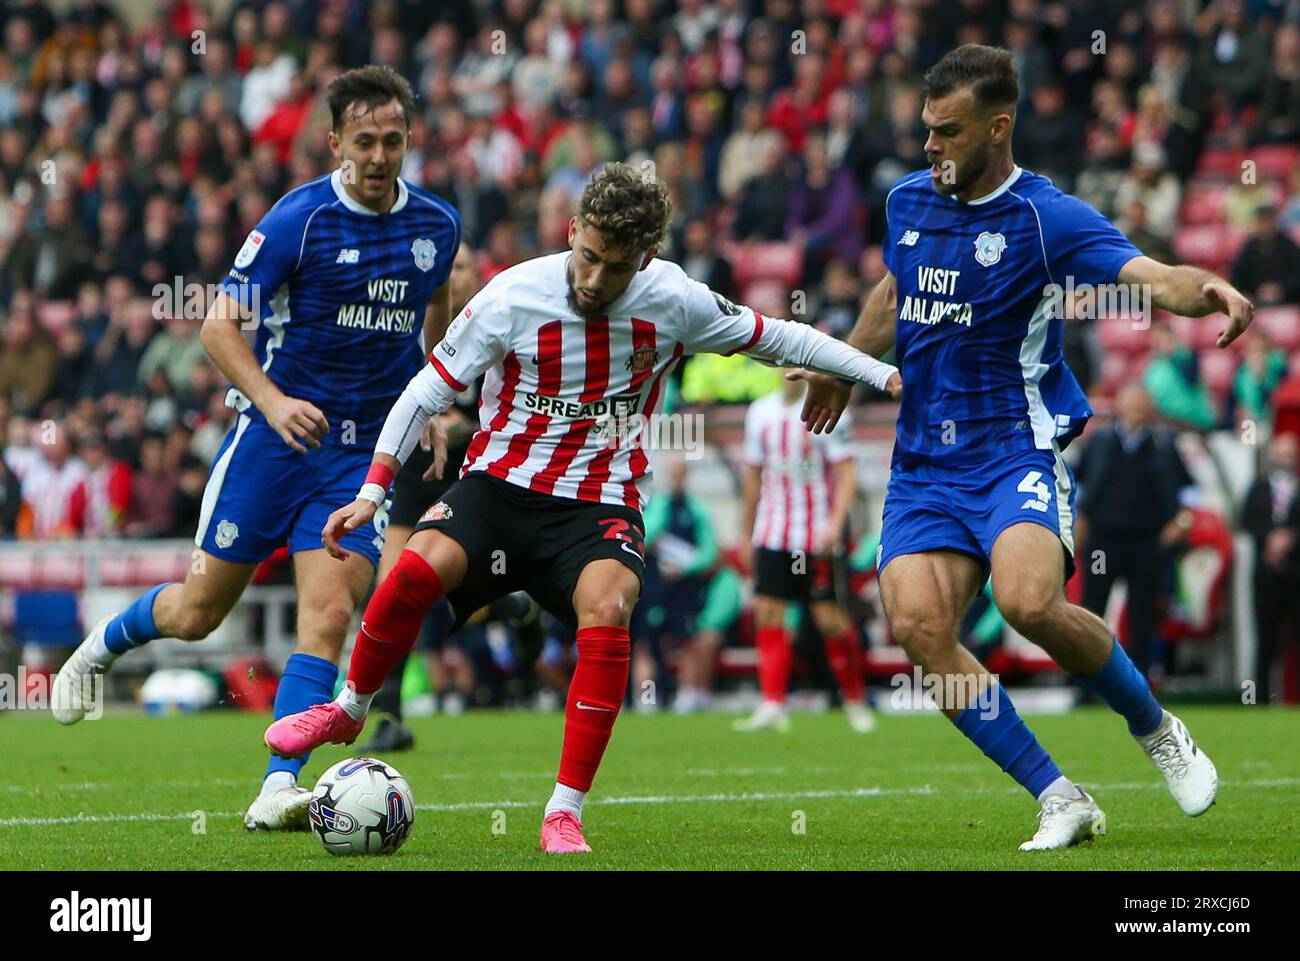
261	494
931	509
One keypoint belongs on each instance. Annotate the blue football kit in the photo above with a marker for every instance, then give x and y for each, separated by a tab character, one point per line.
988	402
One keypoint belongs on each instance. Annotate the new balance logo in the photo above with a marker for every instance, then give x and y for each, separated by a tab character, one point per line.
592	707
909	238
348	256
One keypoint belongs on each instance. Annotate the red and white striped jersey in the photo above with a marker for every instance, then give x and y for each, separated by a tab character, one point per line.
795	486
558	384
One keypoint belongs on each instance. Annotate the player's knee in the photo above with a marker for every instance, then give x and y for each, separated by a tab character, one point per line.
330	622
608	609
197	621
923	633
1030	612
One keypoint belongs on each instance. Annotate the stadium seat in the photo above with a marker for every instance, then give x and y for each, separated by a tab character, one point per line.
1122	334
775	262
1209	245
1218	368
47	618
1221	163
1203	203
1281	325
767	296
1274	160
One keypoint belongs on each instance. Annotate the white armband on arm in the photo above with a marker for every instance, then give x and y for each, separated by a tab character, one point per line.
426	394
789	343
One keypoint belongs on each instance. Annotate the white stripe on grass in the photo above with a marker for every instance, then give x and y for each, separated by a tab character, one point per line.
650	799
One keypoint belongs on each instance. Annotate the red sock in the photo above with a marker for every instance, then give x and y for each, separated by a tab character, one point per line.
847	664
595	696
392	621
774	657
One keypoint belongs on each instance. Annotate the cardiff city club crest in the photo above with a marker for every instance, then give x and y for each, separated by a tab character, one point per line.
642	359
424	252
989	247
227	531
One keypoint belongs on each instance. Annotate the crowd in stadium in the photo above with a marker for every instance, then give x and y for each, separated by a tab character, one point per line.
136	154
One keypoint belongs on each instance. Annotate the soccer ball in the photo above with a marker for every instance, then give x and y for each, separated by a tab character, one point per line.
361	806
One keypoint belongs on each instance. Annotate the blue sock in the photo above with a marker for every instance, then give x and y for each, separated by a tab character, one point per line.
134	626
306	680
1009	744
1121	685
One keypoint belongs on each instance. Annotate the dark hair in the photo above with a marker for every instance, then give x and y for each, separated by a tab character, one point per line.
988	71
370	86
629	206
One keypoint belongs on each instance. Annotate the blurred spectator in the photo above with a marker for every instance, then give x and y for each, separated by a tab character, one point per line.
49	472
1157	189
744	151
1267	267
175	350
837	309
1262	369
701	260
764	202
1278	120
1131	463
1234	55
1173	380
119	352
1133	223
99	504
29	362
1271	515
823	213
1049	138
153	491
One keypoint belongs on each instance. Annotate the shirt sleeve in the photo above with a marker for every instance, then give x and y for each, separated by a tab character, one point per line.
476	340
269	256
714	325
1080	243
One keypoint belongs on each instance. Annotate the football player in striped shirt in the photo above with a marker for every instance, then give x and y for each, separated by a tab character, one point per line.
576	346
342	276
797	489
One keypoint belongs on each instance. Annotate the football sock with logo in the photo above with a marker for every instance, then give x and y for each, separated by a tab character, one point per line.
774	657
595	696
1121	685
844	654
133	627
307	680
1005	740
392	621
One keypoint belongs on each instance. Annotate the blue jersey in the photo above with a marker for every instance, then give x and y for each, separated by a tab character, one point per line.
341	294
978	340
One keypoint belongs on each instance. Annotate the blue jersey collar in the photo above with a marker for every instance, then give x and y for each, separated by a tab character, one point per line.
336	181
1003	188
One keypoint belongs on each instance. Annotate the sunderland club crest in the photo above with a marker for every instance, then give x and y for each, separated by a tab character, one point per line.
424	252
642	359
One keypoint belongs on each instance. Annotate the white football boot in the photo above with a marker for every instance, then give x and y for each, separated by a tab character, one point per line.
75	686
861	718
1065	821
1190	775
282	810
770	715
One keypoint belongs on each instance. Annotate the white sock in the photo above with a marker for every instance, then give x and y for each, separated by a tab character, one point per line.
355	704
278	781
1063	786
565	798
98	651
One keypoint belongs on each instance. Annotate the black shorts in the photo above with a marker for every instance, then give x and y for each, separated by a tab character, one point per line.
412	494
787	576
519	540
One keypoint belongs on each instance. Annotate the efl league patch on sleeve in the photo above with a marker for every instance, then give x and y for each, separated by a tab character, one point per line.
251	246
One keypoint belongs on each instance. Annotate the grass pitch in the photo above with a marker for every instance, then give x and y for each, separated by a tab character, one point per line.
134	792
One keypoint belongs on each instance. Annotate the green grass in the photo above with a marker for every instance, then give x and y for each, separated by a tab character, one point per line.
681	793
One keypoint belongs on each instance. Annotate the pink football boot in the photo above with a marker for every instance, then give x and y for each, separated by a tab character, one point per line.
562	834
301	733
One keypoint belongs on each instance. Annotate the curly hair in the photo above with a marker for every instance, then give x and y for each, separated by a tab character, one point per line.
630	207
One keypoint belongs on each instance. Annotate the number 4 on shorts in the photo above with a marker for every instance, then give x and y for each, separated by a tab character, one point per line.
1032	483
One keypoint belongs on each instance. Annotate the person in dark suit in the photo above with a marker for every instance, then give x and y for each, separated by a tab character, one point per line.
1134	492
1271	515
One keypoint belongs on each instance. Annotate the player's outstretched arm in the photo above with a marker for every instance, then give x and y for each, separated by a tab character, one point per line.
789	343
1192	292
298	422
872	334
